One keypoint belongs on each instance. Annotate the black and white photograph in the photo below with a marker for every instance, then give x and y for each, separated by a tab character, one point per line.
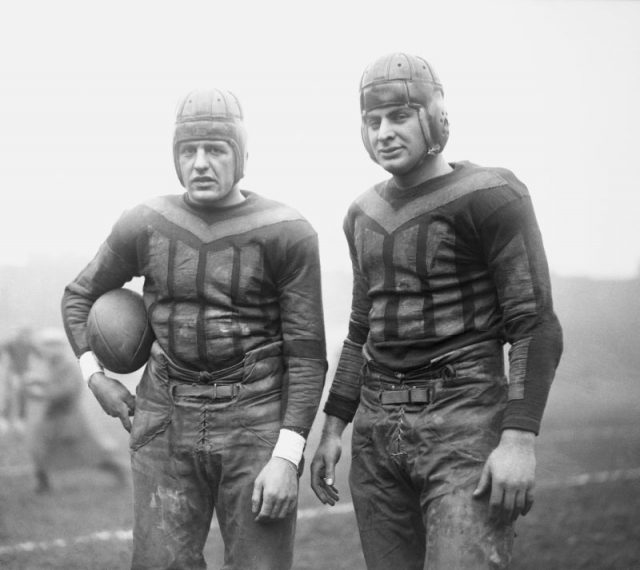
320	286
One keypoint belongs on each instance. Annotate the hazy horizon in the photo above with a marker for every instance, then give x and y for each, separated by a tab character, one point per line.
548	89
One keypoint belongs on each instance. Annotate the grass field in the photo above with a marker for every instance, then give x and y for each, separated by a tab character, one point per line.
586	516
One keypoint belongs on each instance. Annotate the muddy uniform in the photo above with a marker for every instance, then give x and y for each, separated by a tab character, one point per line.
233	297
444	274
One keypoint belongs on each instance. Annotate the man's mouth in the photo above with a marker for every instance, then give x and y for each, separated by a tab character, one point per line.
203	180
389	152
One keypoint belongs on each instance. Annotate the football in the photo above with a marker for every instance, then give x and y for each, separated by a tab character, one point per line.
118	331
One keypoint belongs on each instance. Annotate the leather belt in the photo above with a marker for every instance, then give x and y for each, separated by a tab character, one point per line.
207	391
408	395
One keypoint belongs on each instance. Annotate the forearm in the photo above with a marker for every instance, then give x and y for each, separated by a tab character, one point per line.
303	391
344	395
303	335
304	386
532	366
333	427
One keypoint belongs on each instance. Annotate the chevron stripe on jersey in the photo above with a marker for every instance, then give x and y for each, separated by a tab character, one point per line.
410	256
217	281
390	219
206	231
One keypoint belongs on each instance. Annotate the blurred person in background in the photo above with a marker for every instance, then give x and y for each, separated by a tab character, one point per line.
448	265
235	377
14	352
60	433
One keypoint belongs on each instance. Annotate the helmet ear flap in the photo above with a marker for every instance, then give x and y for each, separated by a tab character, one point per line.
176	163
425	126
365	139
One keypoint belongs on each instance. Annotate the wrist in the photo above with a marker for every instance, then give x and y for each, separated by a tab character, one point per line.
89	365
289	446
333	427
517	437
288	462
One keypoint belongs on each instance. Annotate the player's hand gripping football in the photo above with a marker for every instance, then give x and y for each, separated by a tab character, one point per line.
509	474
114	397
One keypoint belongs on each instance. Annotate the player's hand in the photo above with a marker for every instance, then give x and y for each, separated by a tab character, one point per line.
323	468
509	473
114	397
275	492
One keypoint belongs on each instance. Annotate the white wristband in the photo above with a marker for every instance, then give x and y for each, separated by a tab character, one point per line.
289	446
88	365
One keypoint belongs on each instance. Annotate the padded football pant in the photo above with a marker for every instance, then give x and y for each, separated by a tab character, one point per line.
416	463
198	449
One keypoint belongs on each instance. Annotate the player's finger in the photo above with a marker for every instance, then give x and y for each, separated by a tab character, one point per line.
256	497
123	414
331	491
271	509
319	491
329	472
508	510
126	422
317	473
327	494
519	505
329	480
266	511
483	484
528	501
286	507
495	502
131	404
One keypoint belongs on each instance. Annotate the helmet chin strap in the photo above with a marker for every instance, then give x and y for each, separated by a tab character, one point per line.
426	135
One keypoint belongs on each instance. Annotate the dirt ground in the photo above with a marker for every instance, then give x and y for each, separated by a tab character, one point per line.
586	516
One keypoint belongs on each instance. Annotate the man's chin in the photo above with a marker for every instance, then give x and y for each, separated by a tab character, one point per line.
205	196
394	167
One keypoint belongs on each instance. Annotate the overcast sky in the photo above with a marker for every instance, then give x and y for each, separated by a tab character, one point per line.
548	89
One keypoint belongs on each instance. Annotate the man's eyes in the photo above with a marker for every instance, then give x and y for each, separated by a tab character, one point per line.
397	117
215	149
209	149
400	116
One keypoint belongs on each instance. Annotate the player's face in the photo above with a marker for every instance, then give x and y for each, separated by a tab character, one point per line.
396	138
208	168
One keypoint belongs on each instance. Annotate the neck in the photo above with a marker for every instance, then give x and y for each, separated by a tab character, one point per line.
431	167
233	198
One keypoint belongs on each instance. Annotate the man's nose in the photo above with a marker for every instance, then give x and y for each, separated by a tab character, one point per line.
386	130
201	160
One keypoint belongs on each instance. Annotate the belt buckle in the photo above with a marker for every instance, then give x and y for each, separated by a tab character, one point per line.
408	395
232	391
420	395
